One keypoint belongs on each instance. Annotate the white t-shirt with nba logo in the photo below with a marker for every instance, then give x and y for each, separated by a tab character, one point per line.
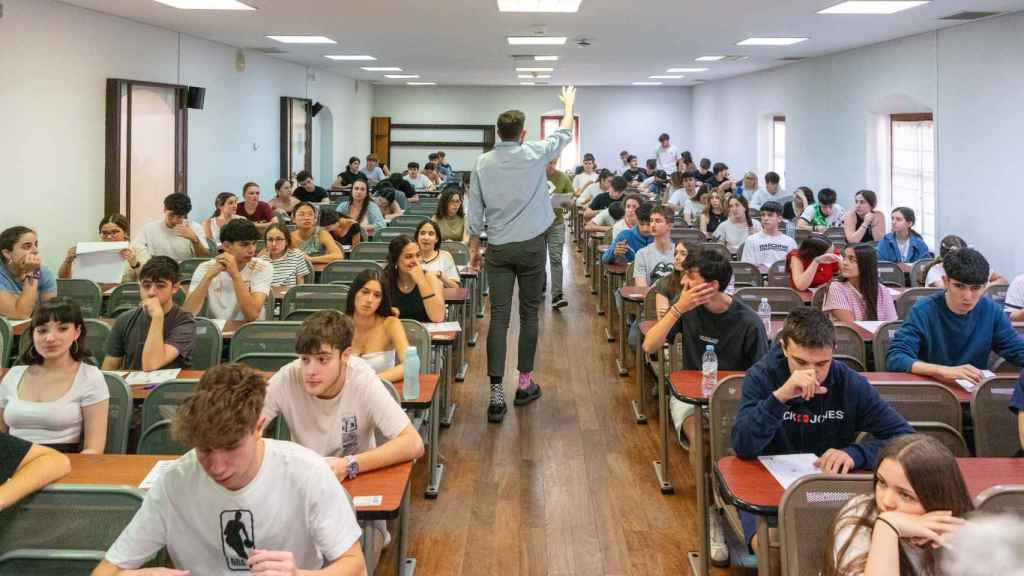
294	504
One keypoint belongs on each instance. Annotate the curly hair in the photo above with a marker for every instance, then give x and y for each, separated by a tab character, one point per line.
225	408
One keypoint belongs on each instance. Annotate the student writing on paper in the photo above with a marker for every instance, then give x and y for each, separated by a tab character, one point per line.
949	335
333	403
234	284
796	400
52	397
918	503
416	294
859	295
26	467
236	502
24	279
379	338
158	333
113	228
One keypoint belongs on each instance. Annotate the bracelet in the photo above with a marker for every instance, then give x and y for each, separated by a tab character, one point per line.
887	523
431	295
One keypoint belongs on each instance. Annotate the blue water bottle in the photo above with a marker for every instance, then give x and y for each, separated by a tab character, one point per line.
411	374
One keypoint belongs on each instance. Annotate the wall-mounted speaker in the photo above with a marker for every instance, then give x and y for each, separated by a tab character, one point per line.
317	107
196	97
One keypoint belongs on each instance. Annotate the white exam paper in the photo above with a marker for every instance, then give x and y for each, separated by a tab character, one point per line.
155	473
140	378
970	386
100	262
788	468
433	327
359	501
869	325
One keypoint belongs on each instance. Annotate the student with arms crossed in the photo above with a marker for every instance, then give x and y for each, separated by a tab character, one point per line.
769	245
158	333
204	508
24	279
587	176
235	283
949	335
797	400
26	467
175	235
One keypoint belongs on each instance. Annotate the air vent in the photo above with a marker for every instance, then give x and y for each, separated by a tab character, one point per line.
734	58
262	50
791	59
967	15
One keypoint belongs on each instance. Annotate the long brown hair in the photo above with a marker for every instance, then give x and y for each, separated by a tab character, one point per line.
935	477
867	277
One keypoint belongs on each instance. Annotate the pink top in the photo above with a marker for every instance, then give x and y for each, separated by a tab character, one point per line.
843	296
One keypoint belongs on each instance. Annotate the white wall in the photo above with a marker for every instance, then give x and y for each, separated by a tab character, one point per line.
836	136
611	118
54	63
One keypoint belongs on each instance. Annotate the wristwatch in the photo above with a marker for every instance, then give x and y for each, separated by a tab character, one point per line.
351	467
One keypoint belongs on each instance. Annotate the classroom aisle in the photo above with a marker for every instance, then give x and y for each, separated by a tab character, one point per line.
565	485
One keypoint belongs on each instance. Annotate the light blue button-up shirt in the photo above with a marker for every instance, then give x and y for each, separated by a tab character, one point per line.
509	189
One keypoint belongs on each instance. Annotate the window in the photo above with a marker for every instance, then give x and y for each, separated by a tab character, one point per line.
913	169
570	157
778	149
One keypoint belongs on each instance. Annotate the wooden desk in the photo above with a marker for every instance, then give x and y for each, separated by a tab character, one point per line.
613	276
633	297
472	281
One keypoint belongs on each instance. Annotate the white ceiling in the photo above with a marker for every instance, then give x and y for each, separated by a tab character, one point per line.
463	42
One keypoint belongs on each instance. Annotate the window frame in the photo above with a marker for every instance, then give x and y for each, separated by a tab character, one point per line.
921	221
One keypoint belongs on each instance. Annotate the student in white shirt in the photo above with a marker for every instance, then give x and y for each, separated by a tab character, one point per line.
237	502
607	218
666	154
603	183
419	182
696	205
770	193
1015	299
684	188
738	227
235	283
654	261
769	245
630	203
581	180
823	215
174	236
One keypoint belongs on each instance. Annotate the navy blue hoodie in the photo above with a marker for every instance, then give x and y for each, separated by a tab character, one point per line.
832	420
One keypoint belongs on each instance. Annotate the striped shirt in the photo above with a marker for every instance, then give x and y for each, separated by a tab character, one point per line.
843	296
288	268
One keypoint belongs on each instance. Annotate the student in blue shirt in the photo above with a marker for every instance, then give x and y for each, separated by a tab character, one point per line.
625	246
949	335
903	244
24	280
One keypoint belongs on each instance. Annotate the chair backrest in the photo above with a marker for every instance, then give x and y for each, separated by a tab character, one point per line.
880	344
688	236
995	427
49	562
266	361
209	345
119	414
376	251
997	292
277	336
806	514
386	234
458	250
923	402
164	400
86	293
69	517
725	403
800	235
123	297
1001	499
890	273
717	247
918	271
156	440
418	336
818	301
314	297
345	271
950	437
836	235
850	343
778	277
746	274
5	343
850	362
782	300
410	220
187	267
96	334
909	297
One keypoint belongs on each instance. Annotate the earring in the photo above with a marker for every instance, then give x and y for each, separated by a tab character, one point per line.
74	348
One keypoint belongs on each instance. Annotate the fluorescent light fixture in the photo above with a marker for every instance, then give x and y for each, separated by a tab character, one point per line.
545	58
770	41
526	83
538	5
534	69
533	76
381	68
206	4
685	70
710	58
350	57
303	39
401	76
872	7
421	83
536	40
666	77
646	83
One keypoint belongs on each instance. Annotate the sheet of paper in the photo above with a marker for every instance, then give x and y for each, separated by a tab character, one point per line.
99	261
155	473
154	377
788	468
220	322
360	501
433	327
870	325
15	323
970	386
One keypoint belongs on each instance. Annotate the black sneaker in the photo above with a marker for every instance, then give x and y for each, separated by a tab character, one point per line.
524	397
558	302
496	412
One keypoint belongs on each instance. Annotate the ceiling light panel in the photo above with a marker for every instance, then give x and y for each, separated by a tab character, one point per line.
538	5
666	77
771	41
303	39
532	76
545	58
872	7
381	68
646	83
685	70
350	57
709	58
536	40
205	4
401	76
421	83
534	69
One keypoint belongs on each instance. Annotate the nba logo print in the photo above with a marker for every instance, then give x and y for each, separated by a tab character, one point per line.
349	434
237	538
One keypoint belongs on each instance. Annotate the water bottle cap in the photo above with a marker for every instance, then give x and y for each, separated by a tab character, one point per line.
710	348
763	299
410	349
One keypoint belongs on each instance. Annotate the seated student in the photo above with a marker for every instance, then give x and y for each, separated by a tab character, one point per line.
333	403
769	245
113	228
903	244
52	397
606	219
770	193
655	185
158	333
654	261
812	264
174	236
588	175
283	202
987	544
748	187
24	279
374	171
257	211
349	175
379	337
416	294
419	182
446	170
633	174
430	171
290	265
704	171
919	501
602	200
720	179
1015	299
864	223
792	209
796	400
693	302
624	159
398	182
935	273
451	215
235	284
344	231
225	210
385	199
630	202
949	335
591	190
625	246
677	192
436	261
859	296
696	205
362	209
308	191
237	501
26	467
823	215
715	213
740	226
311	239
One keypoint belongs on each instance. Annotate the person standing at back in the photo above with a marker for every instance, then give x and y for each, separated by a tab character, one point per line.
508	189
666	154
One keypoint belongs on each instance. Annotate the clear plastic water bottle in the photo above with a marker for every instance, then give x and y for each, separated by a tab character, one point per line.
764	312
411	374
709	368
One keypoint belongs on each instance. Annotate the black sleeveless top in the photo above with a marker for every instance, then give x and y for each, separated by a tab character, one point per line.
410	305
868	235
714	220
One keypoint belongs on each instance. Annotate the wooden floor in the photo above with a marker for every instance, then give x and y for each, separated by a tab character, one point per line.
565	485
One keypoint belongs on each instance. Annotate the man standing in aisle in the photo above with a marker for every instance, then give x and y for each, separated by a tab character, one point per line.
666	154
561	196
508	189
